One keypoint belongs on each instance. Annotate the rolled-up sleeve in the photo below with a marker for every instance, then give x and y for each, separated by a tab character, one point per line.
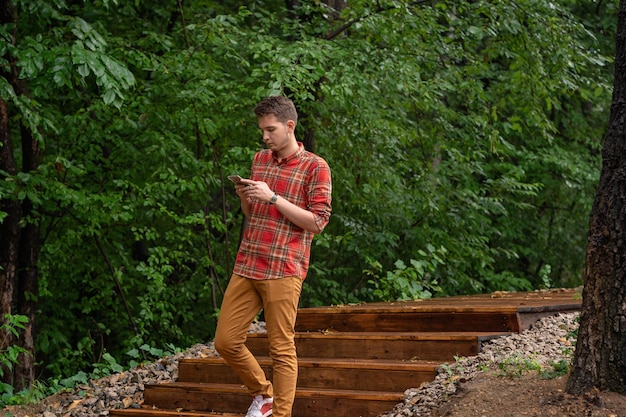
320	193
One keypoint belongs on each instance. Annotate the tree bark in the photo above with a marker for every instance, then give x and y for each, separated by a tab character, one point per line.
9	238
27	295
9	230
19	246
600	357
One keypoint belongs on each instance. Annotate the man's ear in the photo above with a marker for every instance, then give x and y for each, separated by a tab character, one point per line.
291	125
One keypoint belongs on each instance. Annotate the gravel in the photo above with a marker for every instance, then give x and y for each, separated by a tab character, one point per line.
547	342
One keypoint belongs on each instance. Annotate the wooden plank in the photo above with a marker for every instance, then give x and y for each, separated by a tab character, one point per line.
397	380
234	398
408	321
197	364
400	346
230	398
511	312
148	412
499	301
342	406
372	375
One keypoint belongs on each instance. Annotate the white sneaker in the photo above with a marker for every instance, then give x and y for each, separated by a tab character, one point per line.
260	407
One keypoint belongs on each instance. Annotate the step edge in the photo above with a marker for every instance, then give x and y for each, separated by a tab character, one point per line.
300	391
444	336
336	363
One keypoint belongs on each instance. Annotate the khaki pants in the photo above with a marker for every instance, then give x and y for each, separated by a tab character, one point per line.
243	300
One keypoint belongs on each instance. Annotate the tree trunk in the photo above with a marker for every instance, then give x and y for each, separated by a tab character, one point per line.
19	246
9	230
600	357
9	238
27	287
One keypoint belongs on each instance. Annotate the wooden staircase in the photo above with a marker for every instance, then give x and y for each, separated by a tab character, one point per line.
357	360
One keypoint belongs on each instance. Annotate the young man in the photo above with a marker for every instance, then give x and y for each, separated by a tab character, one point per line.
286	201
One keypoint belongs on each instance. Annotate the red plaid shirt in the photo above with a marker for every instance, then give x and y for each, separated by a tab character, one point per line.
272	246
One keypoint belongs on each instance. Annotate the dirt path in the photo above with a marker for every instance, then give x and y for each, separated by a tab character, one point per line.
528	396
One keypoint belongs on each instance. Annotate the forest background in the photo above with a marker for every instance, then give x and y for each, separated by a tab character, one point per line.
464	139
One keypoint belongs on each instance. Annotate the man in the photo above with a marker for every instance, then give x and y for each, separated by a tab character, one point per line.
286	201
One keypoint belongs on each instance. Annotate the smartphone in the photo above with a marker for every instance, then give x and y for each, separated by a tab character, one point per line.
235	178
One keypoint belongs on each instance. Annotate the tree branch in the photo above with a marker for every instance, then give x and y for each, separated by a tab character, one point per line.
380	9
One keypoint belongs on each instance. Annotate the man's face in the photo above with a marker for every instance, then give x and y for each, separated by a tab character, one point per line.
276	135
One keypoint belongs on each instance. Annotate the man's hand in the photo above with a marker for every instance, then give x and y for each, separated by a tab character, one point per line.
258	190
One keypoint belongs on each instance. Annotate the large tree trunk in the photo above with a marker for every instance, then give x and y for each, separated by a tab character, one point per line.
9	230
600	358
9	238
19	246
28	274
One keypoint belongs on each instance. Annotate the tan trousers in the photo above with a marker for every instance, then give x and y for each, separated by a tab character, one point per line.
243	300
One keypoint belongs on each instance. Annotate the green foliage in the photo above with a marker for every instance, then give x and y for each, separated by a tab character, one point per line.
9	355
544	274
557	369
572	335
407	282
106	367
147	352
515	366
464	140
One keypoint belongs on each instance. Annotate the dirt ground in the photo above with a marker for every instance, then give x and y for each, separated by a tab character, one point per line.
528	396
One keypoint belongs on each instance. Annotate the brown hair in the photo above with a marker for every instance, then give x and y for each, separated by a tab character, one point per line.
281	107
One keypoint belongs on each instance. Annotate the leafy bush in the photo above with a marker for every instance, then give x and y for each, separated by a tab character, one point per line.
9	355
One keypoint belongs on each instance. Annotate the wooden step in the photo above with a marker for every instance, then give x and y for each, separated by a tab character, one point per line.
498	312
148	412
405	321
233	398
357	360
357	374
430	346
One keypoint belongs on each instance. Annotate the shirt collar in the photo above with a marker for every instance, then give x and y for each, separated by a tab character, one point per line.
291	157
